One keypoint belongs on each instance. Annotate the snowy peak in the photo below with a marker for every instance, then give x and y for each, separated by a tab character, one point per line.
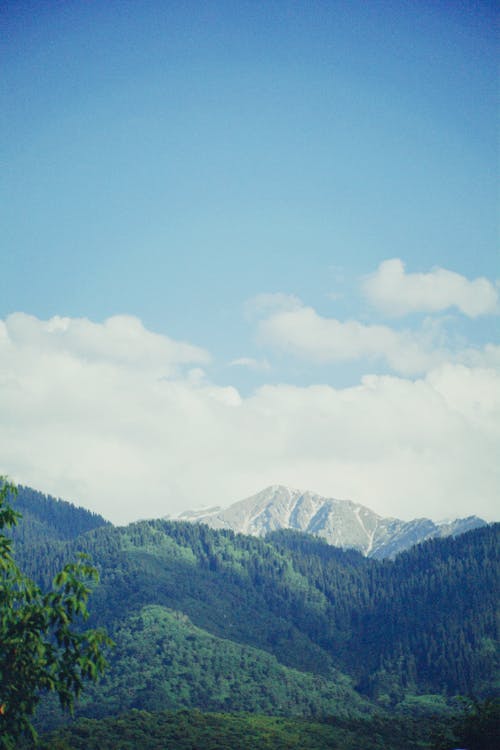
341	523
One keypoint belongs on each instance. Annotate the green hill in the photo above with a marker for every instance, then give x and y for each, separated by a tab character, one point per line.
192	730
47	519
211	620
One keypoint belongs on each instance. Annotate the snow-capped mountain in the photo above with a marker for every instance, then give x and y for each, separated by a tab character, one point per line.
341	523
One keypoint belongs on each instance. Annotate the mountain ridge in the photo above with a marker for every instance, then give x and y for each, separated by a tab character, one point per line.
342	523
214	620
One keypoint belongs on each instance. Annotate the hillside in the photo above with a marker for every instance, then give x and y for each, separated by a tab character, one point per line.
46	518
287	625
192	730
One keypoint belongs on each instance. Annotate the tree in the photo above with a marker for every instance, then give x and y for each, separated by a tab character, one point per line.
477	727
41	648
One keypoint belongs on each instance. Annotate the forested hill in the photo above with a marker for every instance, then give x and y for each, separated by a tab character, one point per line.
288	625
45	518
425	621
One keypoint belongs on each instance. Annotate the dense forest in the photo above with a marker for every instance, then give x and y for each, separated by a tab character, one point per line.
475	726
47	519
192	730
286	627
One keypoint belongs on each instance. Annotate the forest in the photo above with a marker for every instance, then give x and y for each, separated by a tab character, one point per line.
286	638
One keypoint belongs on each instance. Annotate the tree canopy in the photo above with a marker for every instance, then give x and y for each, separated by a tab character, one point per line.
42	647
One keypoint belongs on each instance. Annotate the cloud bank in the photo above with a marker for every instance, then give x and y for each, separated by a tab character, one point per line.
121	339
125	422
303	333
395	292
307	335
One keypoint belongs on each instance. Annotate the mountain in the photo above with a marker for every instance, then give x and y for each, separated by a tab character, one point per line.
341	523
197	612
287	625
45	518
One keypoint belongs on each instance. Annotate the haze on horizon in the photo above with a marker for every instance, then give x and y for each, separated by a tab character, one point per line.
247	244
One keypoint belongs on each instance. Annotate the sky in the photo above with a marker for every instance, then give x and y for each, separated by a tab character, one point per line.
250	243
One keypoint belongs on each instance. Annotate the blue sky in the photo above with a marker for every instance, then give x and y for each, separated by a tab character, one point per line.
173	162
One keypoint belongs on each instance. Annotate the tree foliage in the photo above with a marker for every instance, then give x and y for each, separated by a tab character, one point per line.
45	517
476	727
41	649
191	730
409	633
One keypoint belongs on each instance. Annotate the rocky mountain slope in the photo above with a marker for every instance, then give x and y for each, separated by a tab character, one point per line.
341	523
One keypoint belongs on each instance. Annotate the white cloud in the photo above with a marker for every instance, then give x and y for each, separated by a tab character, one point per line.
303	333
489	356
251	363
307	335
396	293
89	423
268	303
121	339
